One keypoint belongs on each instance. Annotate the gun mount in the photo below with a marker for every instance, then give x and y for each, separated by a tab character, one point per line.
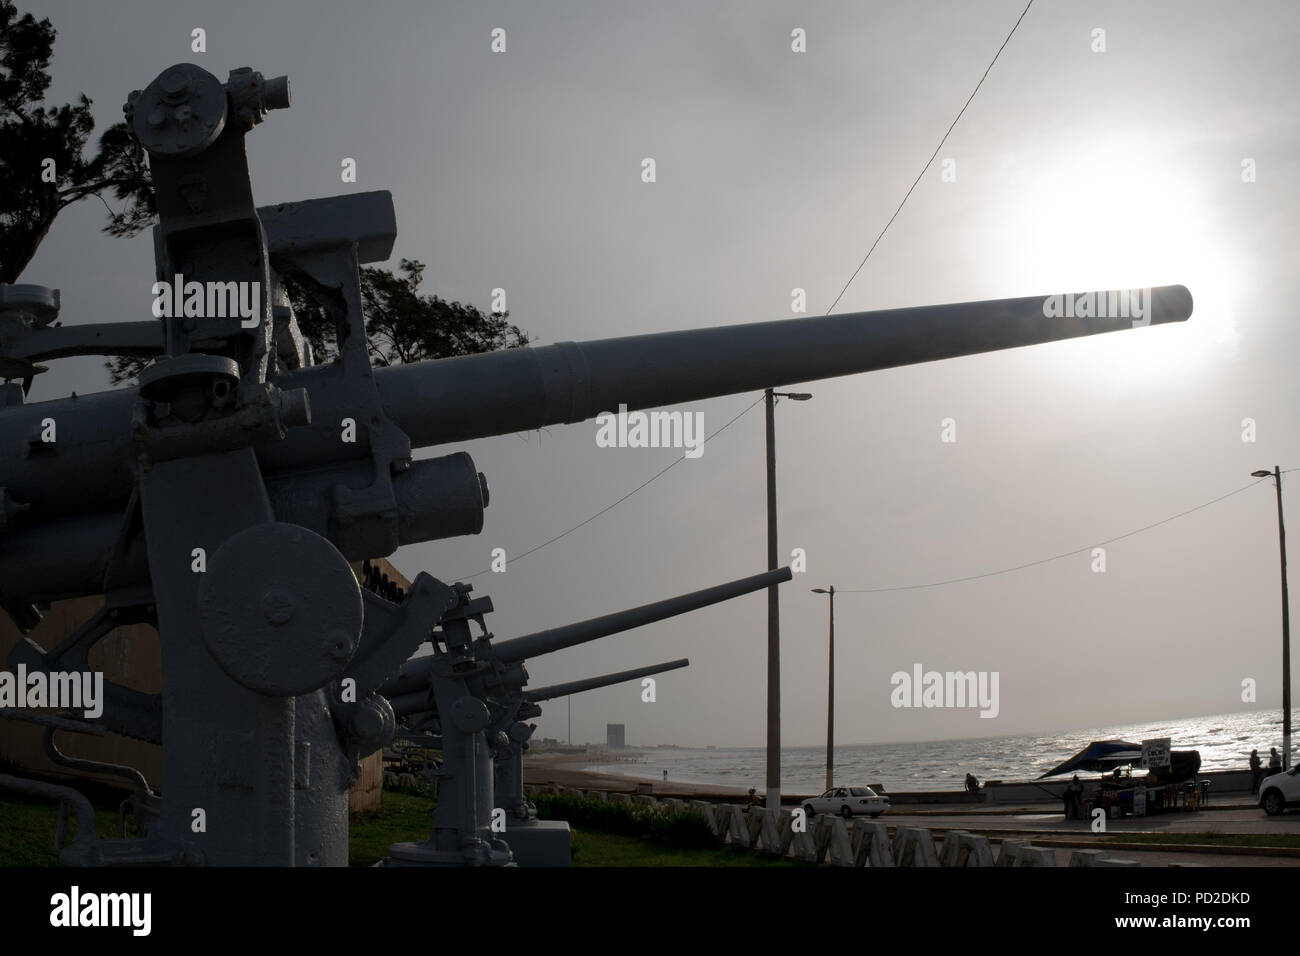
222	499
532	842
472	691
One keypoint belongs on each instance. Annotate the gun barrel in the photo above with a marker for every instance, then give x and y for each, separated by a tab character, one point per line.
558	638
593	683
498	393
519	389
413	676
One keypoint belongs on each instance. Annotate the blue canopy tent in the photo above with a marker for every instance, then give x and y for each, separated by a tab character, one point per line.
1099	757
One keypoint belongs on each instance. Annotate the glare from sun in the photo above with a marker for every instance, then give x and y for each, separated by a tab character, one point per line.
1097	218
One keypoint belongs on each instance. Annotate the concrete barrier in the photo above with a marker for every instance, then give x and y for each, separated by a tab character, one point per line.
839	846
706	810
620	798
776	832
914	846
644	800
742	829
1020	853
871	845
1007	851
966	849
1086	857
811	845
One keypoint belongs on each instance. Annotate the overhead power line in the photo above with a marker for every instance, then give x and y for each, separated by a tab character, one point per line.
930	161
1055	557
614	504
676	462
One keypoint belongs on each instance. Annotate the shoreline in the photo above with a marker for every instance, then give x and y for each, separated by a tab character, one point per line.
572	770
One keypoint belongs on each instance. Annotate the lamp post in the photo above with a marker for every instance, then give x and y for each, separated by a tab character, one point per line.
1276	475
774	610
830	692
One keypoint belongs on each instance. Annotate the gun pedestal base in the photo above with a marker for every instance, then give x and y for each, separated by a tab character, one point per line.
426	854
539	842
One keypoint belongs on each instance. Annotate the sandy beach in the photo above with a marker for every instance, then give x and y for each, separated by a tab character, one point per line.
570	770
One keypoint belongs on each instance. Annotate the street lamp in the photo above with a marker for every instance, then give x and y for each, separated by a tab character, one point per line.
1276	475
830	693
774	611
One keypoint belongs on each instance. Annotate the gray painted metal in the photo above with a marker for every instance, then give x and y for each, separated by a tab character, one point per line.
413	676
219	499
533	842
449	400
572	382
510	753
470	692
592	683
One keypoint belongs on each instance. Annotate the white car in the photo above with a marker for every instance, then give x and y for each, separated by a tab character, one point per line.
1280	791
847	801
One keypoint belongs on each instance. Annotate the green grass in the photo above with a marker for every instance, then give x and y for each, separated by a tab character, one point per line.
658	824
27	829
27	837
1291	840
405	817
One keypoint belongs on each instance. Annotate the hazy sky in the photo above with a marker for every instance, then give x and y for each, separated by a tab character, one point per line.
775	170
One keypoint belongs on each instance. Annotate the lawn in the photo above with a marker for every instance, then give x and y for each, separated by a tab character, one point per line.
406	817
27	837
27	828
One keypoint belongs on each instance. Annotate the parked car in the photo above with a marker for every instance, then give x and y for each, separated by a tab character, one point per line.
1280	791
847	801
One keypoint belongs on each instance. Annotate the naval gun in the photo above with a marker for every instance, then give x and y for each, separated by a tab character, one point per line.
471	692
510	762
222	499
532	841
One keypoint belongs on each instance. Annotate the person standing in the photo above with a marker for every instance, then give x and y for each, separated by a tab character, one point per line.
1074	799
1274	760
1256	771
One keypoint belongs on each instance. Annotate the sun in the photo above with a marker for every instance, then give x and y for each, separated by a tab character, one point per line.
1098	217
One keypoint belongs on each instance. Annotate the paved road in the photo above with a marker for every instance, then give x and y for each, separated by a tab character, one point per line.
1168	858
1050	822
1049	818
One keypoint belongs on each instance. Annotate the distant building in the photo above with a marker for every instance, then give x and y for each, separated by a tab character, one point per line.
615	736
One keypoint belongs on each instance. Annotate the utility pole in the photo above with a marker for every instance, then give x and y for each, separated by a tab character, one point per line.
774	609
1276	475
830	692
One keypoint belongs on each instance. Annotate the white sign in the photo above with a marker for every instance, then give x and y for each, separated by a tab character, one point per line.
1155	752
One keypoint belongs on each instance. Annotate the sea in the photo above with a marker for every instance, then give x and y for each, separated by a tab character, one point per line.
1224	742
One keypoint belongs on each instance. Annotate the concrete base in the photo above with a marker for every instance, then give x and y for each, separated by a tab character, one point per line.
426	854
539	842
